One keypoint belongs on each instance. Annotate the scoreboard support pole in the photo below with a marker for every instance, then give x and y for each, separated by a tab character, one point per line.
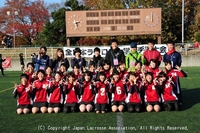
159	39
68	42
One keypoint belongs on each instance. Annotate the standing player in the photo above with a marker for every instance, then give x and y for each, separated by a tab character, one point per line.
172	55
40	94
97	59
132	57
1	64
23	91
21	58
101	97
152	53
115	54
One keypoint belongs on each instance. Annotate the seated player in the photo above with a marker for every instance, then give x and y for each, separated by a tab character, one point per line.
23	91
133	99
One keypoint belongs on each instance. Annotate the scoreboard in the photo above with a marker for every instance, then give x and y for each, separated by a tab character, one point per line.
113	22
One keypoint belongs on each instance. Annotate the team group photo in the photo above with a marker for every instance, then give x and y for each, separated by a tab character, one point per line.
99	66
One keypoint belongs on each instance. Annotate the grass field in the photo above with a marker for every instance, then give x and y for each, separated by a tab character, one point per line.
188	119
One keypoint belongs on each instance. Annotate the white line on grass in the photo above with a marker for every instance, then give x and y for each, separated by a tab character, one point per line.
120	122
6	90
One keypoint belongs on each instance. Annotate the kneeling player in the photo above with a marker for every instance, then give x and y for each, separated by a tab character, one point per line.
87	93
24	95
101	98
167	88
175	74
152	98
56	94
40	93
71	94
118	91
133	99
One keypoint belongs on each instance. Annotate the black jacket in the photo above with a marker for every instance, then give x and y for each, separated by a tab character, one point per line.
98	61
55	64
80	62
113	54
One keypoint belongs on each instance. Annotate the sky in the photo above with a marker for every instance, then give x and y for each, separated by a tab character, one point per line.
2	2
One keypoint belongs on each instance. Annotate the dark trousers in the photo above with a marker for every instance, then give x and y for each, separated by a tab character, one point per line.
2	70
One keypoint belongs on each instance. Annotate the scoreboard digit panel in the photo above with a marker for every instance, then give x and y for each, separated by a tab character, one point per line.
113	22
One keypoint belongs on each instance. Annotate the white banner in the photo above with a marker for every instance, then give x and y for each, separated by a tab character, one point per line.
89	51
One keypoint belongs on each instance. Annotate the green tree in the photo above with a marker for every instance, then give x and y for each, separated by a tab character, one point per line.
171	16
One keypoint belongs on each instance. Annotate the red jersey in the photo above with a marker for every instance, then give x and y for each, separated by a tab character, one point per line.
77	76
56	96
152	54
123	75
139	75
41	94
151	94
71	96
49	78
23	96
108	75
135	97
175	74
102	96
88	95
168	93
154	71
30	77
119	94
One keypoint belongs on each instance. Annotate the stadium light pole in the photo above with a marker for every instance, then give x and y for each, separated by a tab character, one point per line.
13	14
183	7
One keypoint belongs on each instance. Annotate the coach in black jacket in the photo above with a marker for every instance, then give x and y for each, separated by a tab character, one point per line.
115	55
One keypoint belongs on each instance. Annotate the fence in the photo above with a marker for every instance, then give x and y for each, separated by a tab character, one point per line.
14	52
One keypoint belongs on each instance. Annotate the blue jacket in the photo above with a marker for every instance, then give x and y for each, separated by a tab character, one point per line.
175	58
42	63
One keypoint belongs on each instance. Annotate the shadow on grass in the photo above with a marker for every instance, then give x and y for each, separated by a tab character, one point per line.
190	97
